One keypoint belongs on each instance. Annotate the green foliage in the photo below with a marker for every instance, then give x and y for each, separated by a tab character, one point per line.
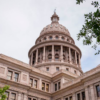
2	92
79	1
91	28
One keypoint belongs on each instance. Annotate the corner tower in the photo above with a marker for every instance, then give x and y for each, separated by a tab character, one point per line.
55	49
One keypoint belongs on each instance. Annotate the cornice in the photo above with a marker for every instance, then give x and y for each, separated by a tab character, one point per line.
23	66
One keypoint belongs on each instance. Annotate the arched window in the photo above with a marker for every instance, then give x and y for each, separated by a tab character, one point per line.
39	59
64	57
56	50
56	57
45	38
62	38
68	40
49	56
50	37
50	50
56	37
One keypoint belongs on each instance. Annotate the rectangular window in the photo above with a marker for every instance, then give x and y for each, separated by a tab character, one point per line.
83	95
57	68
35	83
70	98
66	98
29	98
13	96
47	87
98	90
56	87
47	69
43	86
31	82
34	99
7	94
78	96
9	75
67	69
16	76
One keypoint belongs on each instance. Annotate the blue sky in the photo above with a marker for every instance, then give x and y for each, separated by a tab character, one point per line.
21	22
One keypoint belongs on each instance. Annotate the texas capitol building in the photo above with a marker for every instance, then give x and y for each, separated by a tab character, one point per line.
54	70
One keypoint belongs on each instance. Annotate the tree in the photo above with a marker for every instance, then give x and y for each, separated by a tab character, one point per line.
2	92
91	28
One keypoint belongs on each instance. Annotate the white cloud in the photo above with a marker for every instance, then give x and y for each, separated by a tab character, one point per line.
22	20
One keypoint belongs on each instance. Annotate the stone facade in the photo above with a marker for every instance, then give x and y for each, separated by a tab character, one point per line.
54	70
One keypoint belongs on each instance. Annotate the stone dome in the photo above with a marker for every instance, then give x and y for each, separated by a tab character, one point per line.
55	27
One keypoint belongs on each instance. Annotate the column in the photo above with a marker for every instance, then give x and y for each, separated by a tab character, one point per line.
62	98
75	57
36	56
70	55
39	98
19	96
52	87
86	93
40	84
61	56
79	61
62	82
74	97
92	92
44	54
31	59
25	97
52	52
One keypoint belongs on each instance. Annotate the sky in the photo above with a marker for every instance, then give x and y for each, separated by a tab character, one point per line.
21	22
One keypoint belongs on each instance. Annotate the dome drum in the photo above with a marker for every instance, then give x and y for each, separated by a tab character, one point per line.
54	36
55	53
55	46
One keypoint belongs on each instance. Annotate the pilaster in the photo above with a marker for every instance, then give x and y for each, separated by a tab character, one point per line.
74	97
25	97
86	93
92	92
19	96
